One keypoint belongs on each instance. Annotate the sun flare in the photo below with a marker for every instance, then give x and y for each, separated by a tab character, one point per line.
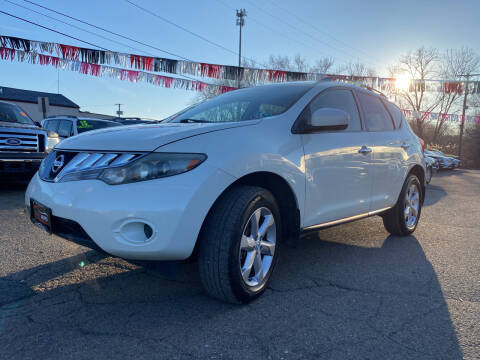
402	81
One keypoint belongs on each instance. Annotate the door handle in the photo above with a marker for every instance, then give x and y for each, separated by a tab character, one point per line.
405	146
365	150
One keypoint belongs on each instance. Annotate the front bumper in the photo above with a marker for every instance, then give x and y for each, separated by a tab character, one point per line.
15	163
113	217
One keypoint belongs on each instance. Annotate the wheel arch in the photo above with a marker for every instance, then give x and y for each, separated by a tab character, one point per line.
419	172
283	194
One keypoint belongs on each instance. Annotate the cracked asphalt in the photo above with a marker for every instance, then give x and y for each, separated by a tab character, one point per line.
348	292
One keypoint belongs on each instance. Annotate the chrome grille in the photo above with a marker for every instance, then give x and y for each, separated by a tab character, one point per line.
81	161
18	141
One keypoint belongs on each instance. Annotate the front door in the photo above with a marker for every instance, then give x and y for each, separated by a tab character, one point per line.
337	164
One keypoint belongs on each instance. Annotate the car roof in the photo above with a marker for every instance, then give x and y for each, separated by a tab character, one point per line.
66	117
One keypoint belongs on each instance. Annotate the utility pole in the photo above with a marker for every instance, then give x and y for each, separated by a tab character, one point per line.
241	23
119	112
465	107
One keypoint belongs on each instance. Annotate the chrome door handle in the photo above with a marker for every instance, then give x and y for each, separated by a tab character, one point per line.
365	150
405	146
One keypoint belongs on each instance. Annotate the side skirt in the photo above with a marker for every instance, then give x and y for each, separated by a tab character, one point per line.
344	220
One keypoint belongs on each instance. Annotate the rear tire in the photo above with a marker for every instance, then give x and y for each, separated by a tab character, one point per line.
239	244
428	176
402	219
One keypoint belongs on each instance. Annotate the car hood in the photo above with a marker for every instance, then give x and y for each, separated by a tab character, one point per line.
7	124
142	137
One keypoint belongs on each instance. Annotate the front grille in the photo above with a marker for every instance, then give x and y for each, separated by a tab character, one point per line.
60	163
19	141
73	231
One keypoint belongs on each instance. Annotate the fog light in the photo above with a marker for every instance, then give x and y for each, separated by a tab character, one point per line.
137	231
148	231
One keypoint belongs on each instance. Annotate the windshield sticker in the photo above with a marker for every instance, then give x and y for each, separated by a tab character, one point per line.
83	124
23	114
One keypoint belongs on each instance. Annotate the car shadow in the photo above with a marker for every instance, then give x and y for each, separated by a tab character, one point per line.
336	295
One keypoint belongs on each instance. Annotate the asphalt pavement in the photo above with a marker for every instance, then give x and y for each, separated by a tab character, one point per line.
348	292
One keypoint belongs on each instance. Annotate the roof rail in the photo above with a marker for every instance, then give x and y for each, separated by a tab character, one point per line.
62	116
373	89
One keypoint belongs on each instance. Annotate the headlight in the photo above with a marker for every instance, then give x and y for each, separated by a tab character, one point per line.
153	166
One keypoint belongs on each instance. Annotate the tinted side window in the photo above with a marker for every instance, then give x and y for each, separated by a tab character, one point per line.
65	128
376	116
52	125
342	100
396	114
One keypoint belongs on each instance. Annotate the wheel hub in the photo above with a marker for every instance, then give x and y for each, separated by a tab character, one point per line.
257	247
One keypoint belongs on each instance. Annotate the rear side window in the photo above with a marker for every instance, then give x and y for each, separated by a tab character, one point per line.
52	125
396	114
87	125
376	116
65	128
341	99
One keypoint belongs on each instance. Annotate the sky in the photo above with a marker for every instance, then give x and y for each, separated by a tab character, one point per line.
374	32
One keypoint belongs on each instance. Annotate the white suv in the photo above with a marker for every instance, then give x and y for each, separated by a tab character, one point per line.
230	180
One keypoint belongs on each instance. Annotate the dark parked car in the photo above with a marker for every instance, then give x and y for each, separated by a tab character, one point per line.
444	162
132	121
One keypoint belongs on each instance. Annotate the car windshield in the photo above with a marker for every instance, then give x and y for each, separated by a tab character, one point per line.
87	125
12	113
246	104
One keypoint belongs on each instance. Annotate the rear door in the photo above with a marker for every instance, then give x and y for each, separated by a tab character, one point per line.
389	155
338	163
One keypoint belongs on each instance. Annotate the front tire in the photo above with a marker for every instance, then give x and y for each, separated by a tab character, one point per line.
239	244
402	219
428	176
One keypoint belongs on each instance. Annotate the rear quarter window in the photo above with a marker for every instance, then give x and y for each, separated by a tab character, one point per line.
376	116
396	114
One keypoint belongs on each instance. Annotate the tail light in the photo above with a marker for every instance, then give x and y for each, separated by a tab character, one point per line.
422	143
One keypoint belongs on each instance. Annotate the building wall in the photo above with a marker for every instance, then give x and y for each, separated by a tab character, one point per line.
33	110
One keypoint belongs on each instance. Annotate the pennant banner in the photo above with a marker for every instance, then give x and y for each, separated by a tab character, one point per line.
221	72
108	71
425	115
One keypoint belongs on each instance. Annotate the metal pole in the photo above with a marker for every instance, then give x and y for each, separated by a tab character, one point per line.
465	107
240	22
462	122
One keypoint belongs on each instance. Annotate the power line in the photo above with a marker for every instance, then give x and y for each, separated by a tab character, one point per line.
47	28
267	27
320	30
297	29
77	27
106	30
75	38
184	29
91	32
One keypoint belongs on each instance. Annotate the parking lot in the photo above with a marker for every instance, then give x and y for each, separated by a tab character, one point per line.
346	292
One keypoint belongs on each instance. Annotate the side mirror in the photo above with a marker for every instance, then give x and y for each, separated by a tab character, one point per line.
328	119
52	134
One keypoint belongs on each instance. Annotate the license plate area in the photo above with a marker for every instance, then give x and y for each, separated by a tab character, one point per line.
41	215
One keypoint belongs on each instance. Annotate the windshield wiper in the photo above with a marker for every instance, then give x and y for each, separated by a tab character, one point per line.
193	121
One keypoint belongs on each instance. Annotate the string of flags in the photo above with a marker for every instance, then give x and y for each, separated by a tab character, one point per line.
426	115
108	71
142	68
220	72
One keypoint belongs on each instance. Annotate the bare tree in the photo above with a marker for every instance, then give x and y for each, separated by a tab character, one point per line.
322	66
420	65
454	65
358	69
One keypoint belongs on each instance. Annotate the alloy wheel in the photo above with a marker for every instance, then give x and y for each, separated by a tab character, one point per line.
412	206
257	247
